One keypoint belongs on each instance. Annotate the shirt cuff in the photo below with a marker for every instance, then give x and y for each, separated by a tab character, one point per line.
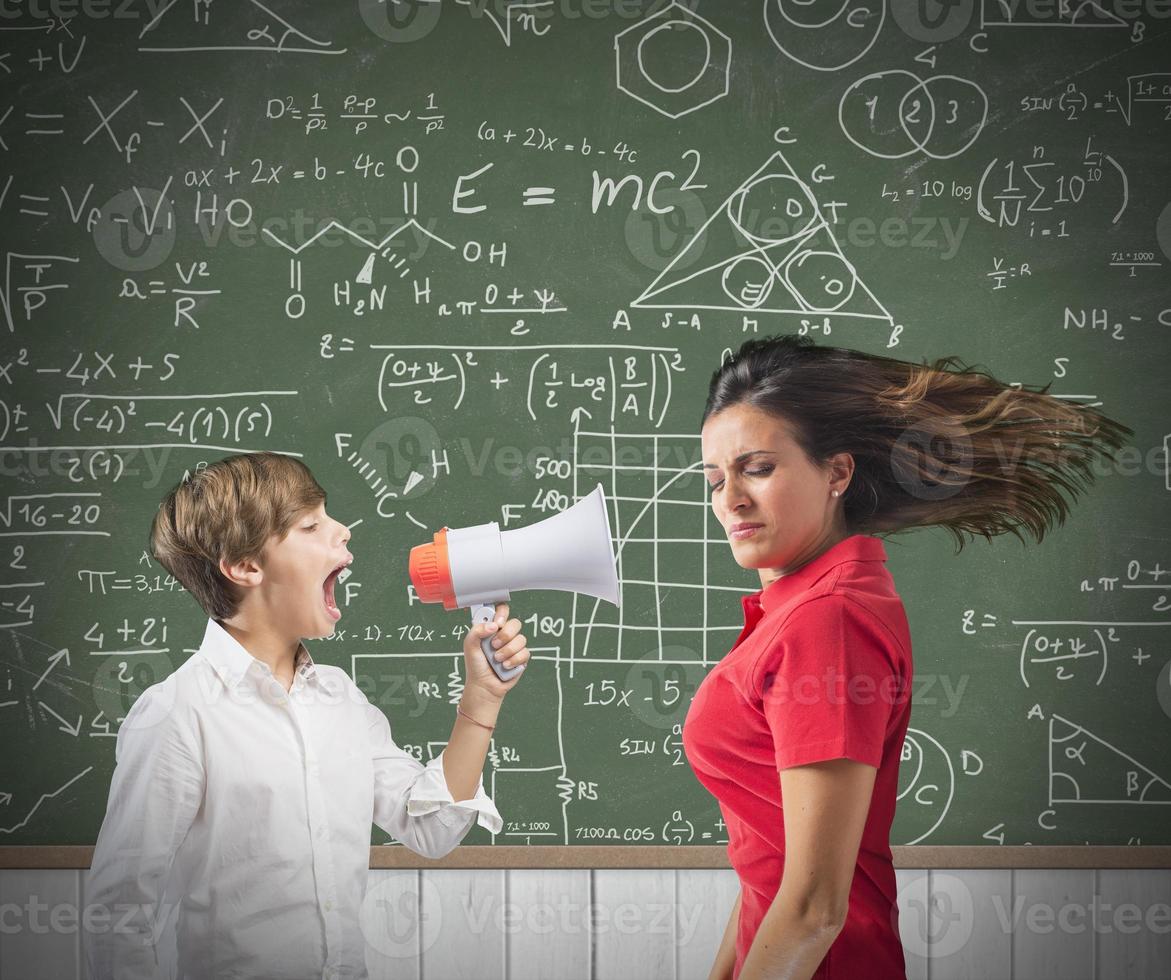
430	793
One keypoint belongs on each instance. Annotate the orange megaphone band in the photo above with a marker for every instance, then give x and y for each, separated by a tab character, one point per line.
430	571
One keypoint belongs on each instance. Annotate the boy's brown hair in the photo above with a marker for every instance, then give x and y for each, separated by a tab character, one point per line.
228	510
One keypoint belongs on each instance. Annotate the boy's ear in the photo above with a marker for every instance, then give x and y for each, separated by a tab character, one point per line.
245	573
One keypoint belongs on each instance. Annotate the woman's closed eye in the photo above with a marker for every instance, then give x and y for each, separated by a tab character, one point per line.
760	471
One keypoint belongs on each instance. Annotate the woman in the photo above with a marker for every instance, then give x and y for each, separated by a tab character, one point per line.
809	452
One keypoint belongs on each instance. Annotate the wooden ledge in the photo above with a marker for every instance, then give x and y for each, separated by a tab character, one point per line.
916	857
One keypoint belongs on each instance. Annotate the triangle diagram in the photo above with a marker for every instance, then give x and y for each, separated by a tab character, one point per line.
766	249
1091	14
1087	13
1084	768
201	31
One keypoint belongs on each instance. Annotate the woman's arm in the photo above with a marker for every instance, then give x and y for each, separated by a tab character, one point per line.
825	811
726	954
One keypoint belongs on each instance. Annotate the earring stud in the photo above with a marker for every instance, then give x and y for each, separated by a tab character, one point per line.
836	492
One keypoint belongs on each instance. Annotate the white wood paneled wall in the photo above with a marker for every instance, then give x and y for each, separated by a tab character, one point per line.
666	924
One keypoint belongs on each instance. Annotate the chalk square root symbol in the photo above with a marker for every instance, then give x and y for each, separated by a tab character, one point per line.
670	34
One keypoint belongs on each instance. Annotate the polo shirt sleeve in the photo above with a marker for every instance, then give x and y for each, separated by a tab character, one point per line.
829	683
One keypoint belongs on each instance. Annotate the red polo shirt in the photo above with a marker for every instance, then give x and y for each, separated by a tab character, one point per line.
822	670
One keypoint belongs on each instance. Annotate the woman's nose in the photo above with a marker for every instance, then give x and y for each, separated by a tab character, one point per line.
734	496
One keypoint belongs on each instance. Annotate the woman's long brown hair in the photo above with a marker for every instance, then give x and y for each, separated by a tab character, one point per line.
935	444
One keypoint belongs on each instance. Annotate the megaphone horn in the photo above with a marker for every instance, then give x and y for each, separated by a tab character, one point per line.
479	566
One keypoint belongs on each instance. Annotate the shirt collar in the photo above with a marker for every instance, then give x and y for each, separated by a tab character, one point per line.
231	661
856	547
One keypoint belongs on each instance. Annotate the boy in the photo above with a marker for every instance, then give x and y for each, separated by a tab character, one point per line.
246	782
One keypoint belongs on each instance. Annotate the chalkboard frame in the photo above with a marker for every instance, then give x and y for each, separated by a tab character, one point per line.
724	159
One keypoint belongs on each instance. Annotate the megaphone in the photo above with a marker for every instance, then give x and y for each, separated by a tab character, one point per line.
478	566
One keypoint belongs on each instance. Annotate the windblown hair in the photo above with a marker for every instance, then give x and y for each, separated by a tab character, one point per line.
935	444
228	510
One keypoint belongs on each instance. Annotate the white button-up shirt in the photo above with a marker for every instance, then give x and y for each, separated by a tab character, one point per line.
250	807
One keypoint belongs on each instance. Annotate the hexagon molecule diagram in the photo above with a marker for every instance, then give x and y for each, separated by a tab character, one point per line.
674	61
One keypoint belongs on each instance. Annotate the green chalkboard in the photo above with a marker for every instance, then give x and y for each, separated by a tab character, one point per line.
470	262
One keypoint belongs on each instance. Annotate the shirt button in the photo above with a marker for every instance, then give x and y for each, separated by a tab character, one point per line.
329	906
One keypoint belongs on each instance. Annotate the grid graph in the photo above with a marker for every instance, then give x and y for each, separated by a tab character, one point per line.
681	588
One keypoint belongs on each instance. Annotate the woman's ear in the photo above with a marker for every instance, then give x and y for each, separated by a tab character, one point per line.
841	470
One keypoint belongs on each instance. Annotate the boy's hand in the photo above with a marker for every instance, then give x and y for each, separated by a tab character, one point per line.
508	640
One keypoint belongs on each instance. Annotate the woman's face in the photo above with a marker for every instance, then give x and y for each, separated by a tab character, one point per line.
776	507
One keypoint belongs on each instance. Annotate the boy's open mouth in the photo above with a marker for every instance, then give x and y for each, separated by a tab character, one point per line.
339	574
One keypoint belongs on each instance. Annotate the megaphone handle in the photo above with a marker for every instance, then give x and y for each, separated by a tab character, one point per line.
484	614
